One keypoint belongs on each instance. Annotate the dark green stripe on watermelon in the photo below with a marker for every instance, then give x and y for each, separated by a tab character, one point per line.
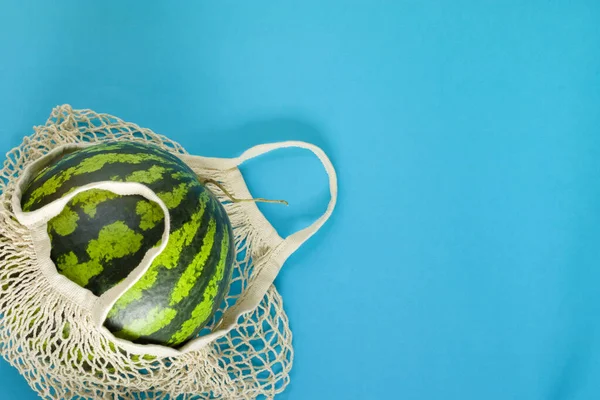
97	243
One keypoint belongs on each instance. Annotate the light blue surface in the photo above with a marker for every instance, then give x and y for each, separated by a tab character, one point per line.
463	261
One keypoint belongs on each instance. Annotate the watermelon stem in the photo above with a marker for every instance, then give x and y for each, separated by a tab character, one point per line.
236	200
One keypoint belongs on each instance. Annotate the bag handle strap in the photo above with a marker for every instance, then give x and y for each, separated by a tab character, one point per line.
266	275
297	239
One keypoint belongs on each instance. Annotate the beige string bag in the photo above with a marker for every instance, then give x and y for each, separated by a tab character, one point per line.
246	353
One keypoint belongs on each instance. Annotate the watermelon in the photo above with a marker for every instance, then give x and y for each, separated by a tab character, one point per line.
100	237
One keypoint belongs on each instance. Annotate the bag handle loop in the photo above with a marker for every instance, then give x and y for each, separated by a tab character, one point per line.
265	276
297	239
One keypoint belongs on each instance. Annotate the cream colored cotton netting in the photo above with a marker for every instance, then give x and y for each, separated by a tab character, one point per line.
252	361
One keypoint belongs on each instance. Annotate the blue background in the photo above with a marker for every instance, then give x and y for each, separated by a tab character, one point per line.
463	261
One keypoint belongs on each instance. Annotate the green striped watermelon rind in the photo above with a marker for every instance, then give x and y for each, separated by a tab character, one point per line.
64	228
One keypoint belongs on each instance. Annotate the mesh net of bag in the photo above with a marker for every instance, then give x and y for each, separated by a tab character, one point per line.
54	344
